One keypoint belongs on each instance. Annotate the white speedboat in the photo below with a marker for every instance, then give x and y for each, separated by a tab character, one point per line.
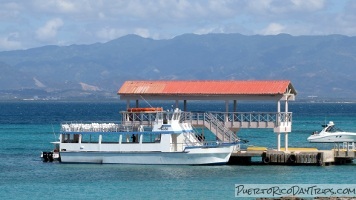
167	141
330	133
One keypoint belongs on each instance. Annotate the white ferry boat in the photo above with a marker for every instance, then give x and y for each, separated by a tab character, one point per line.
167	141
330	133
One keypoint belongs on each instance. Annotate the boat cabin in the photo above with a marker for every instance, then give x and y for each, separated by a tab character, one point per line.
168	134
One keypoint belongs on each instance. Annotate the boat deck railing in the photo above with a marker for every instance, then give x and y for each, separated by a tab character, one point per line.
96	127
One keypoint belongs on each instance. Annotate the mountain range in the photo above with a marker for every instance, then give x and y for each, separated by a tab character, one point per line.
322	66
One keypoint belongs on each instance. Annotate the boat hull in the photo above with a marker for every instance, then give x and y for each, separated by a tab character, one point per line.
195	156
333	137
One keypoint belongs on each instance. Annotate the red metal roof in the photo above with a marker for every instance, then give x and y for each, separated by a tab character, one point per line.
206	87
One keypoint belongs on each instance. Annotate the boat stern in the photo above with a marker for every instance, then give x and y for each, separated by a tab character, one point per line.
50	156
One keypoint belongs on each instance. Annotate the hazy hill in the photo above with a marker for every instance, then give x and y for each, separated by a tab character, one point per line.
323	66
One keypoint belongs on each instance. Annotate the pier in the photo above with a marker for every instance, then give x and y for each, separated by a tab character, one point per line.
225	125
279	91
294	156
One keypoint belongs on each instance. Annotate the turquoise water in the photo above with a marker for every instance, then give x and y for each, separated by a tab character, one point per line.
26	128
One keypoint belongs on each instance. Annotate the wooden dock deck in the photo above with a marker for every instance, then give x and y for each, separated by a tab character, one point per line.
294	156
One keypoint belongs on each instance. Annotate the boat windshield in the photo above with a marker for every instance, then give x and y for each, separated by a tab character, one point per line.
333	129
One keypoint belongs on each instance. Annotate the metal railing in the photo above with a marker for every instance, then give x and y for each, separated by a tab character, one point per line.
275	117
238	119
68	127
225	119
142	118
219	129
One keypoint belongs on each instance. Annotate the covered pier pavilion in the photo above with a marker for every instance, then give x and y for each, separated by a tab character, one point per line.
228	91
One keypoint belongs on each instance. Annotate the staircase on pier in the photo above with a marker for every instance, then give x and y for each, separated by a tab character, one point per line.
218	128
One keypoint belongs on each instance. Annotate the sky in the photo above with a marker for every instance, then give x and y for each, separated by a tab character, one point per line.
28	24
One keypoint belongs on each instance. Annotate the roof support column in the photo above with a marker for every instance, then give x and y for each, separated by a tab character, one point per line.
99	142
278	122
278	106
185	105
80	139
234	110
137	103
177	103
226	111
286	133
278	141
127	104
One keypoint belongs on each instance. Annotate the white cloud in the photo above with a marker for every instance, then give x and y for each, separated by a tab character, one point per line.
310	5
271	7
110	33
273	29
49	30
101	15
9	10
88	21
206	30
216	29
142	32
64	6
10	42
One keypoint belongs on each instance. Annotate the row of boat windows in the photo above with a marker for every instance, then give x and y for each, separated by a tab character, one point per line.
333	129
111	138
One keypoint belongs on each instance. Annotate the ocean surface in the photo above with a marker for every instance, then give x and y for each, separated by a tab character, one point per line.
27	128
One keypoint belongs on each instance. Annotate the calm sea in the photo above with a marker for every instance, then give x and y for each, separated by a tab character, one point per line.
26	128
